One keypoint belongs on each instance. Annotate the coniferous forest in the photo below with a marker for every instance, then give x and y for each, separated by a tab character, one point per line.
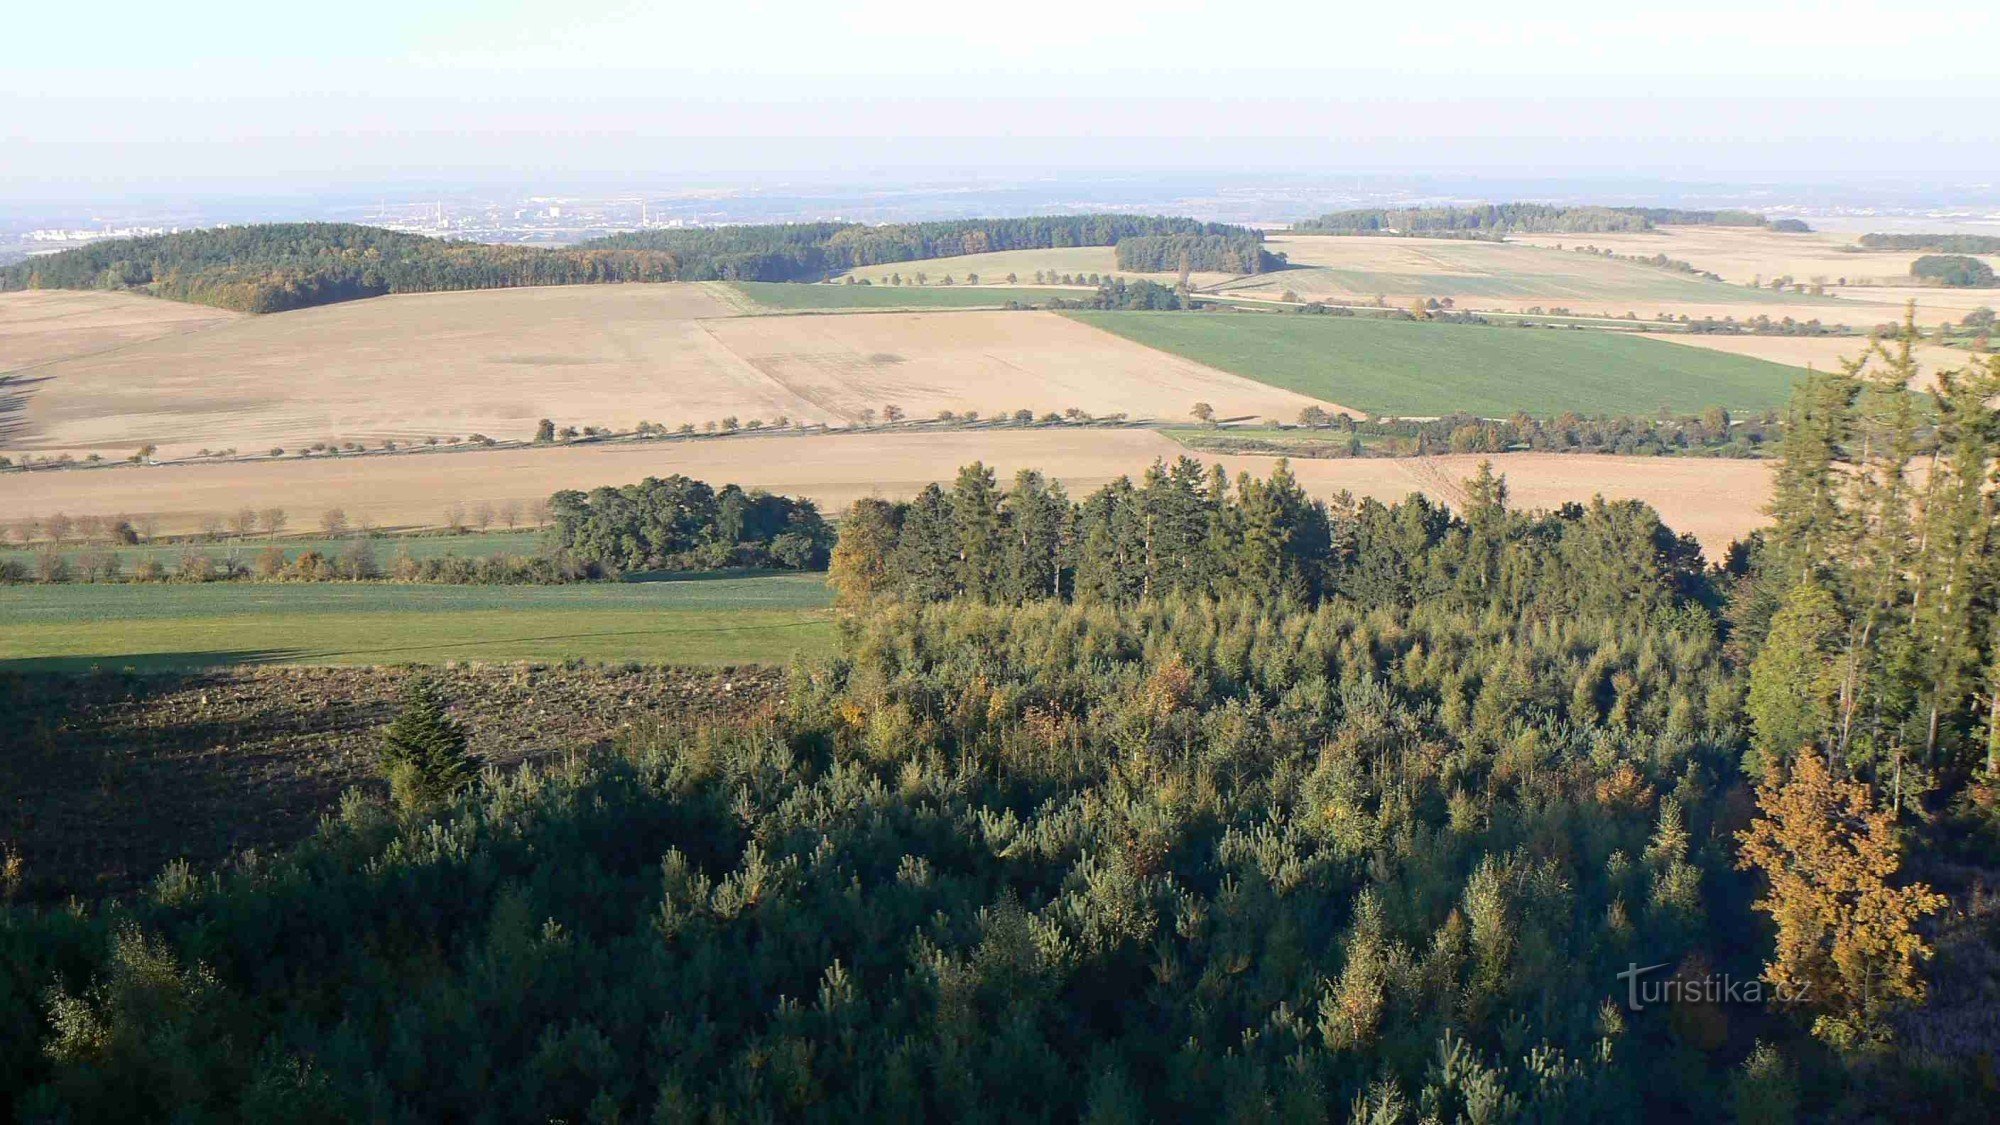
1190	799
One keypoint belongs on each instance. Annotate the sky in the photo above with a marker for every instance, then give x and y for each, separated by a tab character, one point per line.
130	97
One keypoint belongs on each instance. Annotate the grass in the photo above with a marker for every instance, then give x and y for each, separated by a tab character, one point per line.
470	545
690	620
1414	369
800	297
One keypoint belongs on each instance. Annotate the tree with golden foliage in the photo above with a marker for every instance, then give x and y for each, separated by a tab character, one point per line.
1847	942
859	568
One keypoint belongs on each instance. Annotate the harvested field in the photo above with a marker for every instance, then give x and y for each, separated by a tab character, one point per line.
1718	500
1352	269
414	489
405	368
800	297
43	325
1745	254
1822	353
1528	271
117	776
992	362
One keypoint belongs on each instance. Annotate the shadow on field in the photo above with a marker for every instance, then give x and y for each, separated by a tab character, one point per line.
14	390
704	575
144	662
107	778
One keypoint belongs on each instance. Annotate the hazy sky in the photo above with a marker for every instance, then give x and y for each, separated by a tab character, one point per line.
131	96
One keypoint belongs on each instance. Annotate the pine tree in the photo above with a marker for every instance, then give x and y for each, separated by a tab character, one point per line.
423	751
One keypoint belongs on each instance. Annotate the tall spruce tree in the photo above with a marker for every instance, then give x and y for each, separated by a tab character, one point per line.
423	751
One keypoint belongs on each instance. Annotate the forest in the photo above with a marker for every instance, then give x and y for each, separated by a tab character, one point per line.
810	252
275	267
279	266
1196	799
1526	218
1178	253
680	524
1959	271
1942	243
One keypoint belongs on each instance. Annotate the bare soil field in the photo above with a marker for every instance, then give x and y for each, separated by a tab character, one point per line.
43	325
1717	500
116	776
405	368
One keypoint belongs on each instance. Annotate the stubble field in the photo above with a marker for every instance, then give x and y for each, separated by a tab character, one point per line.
408	368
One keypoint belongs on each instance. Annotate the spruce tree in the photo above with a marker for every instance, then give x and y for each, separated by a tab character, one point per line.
423	751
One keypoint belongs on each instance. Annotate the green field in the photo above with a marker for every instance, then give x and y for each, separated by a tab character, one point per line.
692	620
388	547
1413	369
799	297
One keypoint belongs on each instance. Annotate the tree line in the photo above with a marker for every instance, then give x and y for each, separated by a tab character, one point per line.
1941	243
813	251
1186	530
1527	218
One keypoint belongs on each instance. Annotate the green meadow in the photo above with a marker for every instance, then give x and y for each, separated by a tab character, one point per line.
689	620
1416	369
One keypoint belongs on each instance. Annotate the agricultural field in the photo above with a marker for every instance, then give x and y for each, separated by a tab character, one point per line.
1717	500
414	491
794	297
993	268
1405	368
705	620
118	775
412	367
1822	353
1745	254
1489	275
243	549
42	325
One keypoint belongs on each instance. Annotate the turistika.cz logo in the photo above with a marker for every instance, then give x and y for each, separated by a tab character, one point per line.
1707	988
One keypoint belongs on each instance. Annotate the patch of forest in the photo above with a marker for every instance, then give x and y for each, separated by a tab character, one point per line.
1497	219
1940	243
809	252
279	266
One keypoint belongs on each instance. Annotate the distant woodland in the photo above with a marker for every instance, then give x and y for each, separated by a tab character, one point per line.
1939	243
279	266
1526	218
809	252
